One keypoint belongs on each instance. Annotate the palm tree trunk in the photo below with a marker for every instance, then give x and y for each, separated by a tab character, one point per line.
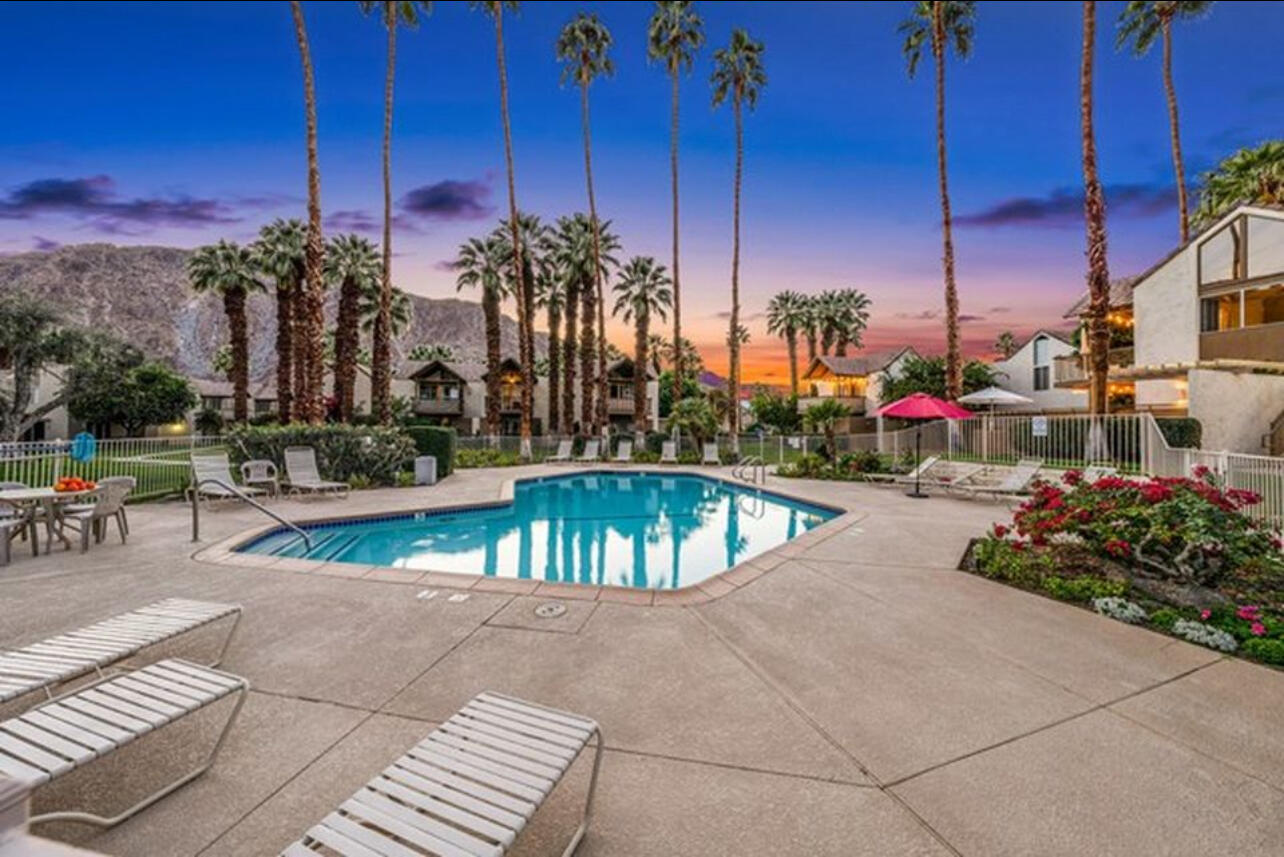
1170	92
381	358
791	344
811	347
311	408
826	340
234	307
298	342
490	310
284	350
640	360
554	368
1094	212
733	383
525	350
598	417
840	344
570	352
588	353
346	342
677	288
953	363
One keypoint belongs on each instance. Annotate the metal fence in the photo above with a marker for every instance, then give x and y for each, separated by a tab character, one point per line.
159	464
772	449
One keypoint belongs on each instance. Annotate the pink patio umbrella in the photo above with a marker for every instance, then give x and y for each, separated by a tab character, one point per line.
921	406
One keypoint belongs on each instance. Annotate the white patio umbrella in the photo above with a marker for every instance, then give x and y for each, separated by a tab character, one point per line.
995	397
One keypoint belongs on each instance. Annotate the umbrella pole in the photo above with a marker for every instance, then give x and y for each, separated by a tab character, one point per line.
918	458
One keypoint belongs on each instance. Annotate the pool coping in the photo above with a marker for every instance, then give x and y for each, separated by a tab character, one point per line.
225	552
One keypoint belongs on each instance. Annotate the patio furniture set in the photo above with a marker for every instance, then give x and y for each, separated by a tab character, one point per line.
25	510
212	477
591	453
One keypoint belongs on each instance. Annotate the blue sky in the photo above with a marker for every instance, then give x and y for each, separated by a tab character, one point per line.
180	123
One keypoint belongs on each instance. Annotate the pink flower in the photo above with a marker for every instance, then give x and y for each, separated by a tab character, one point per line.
1205	614
1248	612
1258	629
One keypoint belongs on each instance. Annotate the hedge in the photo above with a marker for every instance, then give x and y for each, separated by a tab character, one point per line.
1181	432
437	441
343	451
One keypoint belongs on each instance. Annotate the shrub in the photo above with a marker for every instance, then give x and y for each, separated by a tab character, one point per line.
208	422
1084	588
860	462
1165	617
1181	431
1121	609
806	466
1204	635
360	482
1013	562
343	451
1267	651
469	458
437	441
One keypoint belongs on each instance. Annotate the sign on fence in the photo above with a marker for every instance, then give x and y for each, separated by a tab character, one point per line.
1038	426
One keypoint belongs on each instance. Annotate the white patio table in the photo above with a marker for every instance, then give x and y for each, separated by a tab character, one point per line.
50	502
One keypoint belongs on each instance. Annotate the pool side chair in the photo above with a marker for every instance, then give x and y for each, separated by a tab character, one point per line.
668	452
710	455
16	522
1015	482
467	789
623	452
261	473
1093	472
591	453
923	467
563	454
109	504
303	477
216	466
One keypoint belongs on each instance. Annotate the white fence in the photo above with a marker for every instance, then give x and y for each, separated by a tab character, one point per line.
159	464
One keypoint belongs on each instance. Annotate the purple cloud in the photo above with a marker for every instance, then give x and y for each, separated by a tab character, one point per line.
1064	206
44	245
94	199
925	315
999	310
447	265
449	200
966	318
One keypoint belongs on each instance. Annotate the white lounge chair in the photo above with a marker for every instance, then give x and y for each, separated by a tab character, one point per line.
563	454
64	734
45	665
1093	472
591	453
710	455
921	470
212	478
623	452
302	475
668	452
469	788
1015	481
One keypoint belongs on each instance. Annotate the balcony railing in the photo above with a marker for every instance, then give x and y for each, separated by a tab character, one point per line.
1072	370
439	407
1256	342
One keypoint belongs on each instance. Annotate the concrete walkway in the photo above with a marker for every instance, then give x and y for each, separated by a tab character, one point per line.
861	698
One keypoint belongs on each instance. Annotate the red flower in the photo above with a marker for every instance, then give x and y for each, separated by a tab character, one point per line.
1249	612
1072	477
1119	548
1000	531
1258	629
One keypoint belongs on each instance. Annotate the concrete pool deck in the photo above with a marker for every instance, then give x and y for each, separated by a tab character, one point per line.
862	698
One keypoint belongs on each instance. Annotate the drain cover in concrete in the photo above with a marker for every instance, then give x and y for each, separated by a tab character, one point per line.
550	610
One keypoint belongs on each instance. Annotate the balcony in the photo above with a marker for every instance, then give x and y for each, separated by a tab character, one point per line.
439	407
1072	370
1263	342
619	405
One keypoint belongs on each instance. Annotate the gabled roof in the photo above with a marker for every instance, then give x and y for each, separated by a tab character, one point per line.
1120	296
1273	211
859	366
623	363
1054	334
466	371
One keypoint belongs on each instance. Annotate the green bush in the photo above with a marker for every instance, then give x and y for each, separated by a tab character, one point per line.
1165	617
469	458
1084	588
1003	560
1181	432
343	451
1269	651
436	441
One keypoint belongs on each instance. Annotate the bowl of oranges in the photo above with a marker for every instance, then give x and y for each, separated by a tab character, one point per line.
72	484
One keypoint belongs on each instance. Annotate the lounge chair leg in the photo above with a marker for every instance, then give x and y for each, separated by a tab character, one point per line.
227	641
578	837
102	821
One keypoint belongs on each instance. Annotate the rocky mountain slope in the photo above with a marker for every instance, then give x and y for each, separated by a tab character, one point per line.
141	294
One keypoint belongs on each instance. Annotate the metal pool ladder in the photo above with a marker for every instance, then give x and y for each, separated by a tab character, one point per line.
751	469
196	510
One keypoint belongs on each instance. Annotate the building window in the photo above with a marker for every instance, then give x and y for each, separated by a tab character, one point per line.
1042	369
620	390
1219	313
1264	306
1041	351
212	403
1041	374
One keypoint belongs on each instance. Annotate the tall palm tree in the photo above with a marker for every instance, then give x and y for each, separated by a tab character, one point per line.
1139	24
582	49
853	318
674	34
352	263
278	253
229	270
643	291
1249	175
786	316
575	259
942	24
738	76
400	315
309	405
525	302
480	264
813	320
829	317
1094	213
395	12
535	254
567	256
550	295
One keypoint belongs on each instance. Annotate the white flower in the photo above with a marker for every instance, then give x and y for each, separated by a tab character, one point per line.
1121	609
1205	635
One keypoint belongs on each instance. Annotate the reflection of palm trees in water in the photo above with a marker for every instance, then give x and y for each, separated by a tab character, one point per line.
682	526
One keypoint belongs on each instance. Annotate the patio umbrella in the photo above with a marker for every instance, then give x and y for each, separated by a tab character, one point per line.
994	397
921	406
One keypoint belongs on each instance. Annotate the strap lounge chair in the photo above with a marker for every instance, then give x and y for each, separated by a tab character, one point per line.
1014	482
64	734
710	455
563	454
302	476
921	470
668	452
623	452
216	466
469	788
591	452
53	662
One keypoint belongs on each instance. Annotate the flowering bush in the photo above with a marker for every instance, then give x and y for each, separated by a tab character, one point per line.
1205	635
1121	609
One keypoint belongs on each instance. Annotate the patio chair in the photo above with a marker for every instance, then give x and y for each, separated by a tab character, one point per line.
261	472
921	470
623	452
21	524
122	519
563	454
91	518
469	788
302	476
1014	482
591	453
668	452
1093	472
216	466
710	455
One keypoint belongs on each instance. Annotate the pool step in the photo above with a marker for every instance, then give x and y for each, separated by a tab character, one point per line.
332	547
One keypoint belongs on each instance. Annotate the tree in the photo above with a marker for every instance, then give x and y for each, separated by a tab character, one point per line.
582	49
32	337
574	256
644	291
786	316
823	417
674	34
279	254
853	318
1094	213
146	395
550	295
775	412
525	303
658	349
927	375
738	76
221	361
694	416
536	253
1006	344
426	353
352	263
401	313
229	270
687	386
310	407
480	264
942	24
395	12
1139	24
1249	175
813	320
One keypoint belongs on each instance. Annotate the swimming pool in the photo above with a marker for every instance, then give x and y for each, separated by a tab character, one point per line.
639	530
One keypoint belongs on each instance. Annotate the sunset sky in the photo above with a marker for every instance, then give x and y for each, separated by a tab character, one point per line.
178	124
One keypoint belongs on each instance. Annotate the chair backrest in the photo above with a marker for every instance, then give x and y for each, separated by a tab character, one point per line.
591	448
212	465
1019	477
1095	472
668	450
624	451
563	449
13	486
301	464
258	469
925	465
111	494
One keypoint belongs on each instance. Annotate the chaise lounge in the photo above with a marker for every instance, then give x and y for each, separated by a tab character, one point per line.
302	475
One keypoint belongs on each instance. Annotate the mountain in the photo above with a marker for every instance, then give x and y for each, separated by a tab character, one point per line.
141	294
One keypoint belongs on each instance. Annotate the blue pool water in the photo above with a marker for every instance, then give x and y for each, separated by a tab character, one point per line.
641	530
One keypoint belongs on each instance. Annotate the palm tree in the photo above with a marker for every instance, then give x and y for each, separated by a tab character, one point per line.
567	257
395	12
1249	175
352	263
426	353
574	255
582	49
659	349
786	316
309	405
525	303
400	315
674	34
1006	344
1094	213
229	270
942	24
813	320
480	264
1139	23
550	294
853	317
279	254
536	253
643	291
738	76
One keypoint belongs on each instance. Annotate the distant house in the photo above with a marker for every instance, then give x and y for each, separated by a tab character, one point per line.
217	396
856	382
1029	372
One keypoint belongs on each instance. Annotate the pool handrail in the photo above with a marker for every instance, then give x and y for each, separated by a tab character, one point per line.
280	519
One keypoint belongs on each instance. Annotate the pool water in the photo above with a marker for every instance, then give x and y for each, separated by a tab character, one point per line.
640	530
